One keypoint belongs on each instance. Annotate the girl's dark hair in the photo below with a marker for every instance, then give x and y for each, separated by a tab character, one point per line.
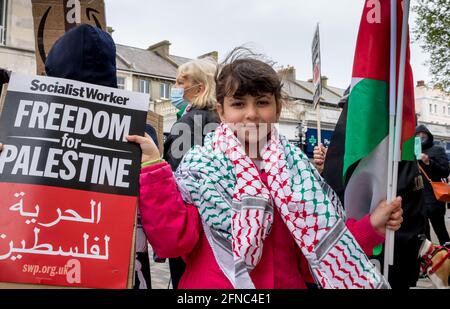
246	73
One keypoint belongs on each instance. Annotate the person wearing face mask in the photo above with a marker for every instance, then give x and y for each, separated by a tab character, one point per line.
178	101
435	163
194	96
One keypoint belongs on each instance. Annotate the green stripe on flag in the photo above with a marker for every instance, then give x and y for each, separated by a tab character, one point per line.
408	150
367	120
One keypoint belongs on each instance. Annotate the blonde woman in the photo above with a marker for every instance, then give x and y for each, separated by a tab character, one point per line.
194	91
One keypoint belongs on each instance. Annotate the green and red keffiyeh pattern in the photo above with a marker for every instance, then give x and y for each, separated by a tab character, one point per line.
237	210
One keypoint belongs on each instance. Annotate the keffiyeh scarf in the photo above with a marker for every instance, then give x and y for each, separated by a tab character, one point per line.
236	208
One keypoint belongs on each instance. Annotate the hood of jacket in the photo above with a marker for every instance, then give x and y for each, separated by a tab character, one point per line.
424	129
86	54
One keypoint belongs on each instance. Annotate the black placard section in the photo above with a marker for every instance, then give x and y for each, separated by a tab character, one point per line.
87	159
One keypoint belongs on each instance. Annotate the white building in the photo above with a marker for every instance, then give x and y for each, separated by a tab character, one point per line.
17	36
433	111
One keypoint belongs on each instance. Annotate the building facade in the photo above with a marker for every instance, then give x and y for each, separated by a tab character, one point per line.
298	120
17	36
153	70
433	111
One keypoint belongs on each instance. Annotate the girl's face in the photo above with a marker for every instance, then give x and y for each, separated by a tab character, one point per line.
250	117
190	90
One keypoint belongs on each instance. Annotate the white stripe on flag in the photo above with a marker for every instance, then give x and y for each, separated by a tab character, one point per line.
367	185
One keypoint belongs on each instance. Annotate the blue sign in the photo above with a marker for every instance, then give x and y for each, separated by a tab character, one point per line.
311	140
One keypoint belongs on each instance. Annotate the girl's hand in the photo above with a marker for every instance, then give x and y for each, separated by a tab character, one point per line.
320	153
149	150
387	216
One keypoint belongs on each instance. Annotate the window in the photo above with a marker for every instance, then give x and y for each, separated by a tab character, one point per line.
448	110
443	110
164	90
435	108
120	82
431	108
144	86
3	22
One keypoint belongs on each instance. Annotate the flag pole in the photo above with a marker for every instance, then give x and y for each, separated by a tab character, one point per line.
399	115
392	106
319	128
400	93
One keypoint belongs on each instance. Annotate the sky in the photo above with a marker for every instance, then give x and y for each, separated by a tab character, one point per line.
280	29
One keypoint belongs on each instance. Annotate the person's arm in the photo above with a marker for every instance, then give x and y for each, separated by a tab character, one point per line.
438	163
365	234
369	231
172	227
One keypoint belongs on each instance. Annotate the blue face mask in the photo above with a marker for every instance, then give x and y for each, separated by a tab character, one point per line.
176	97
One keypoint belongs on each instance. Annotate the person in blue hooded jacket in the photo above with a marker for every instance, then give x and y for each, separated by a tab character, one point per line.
88	54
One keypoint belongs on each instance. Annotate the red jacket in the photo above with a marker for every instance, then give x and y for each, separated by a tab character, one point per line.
174	229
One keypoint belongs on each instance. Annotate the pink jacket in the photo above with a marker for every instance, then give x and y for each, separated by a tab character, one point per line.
174	229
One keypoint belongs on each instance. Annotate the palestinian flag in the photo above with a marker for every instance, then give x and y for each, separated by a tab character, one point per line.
364	160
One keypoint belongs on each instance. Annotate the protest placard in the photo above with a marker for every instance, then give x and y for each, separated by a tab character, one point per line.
317	75
69	182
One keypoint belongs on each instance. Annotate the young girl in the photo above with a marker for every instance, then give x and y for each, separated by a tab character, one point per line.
250	211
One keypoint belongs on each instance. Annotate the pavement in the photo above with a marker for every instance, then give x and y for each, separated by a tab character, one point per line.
161	275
